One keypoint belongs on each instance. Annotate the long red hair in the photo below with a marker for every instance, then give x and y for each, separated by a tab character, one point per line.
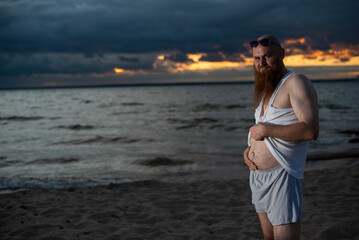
265	84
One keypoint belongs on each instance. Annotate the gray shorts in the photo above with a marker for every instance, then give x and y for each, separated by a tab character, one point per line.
277	193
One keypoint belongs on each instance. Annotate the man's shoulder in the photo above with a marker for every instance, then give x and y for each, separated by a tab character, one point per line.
300	83
296	79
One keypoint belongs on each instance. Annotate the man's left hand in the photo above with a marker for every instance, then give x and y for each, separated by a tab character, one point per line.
257	132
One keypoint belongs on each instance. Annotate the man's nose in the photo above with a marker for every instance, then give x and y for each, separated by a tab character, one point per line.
263	62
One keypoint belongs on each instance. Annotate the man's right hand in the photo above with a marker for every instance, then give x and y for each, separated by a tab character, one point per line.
248	162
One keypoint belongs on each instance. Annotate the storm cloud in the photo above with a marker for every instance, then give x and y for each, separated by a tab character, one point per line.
88	36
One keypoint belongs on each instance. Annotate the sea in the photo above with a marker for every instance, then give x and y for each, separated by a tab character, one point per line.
84	137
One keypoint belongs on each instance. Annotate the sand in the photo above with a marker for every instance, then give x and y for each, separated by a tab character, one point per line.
196	209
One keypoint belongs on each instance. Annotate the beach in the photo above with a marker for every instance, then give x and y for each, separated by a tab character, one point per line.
197	209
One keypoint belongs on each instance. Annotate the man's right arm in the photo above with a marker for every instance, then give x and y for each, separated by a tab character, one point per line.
304	102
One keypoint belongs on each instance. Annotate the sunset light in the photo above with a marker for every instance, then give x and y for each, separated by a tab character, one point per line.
123	71
195	57
316	59
208	66
295	58
170	42
294	41
119	70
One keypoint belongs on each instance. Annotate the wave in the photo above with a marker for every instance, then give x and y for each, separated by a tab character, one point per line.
334	106
76	127
114	104
57	183
350	131
195	122
7	163
214	107
104	140
132	104
206	107
209	123
235	128
53	161
328	155
128	112
20	118
233	106
248	120
162	161
353	135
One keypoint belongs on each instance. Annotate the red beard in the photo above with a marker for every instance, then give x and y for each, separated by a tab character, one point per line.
265	84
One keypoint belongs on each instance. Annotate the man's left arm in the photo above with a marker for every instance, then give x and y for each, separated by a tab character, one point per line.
304	100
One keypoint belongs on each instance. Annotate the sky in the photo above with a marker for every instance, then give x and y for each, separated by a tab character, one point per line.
46	43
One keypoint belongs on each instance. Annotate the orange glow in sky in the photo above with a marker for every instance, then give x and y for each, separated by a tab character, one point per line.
53	84
124	71
207	66
119	70
294	41
195	57
337	55
299	53
316	59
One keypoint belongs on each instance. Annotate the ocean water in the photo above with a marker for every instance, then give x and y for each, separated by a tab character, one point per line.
61	138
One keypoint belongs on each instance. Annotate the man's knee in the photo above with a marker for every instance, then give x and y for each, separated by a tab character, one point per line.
289	231
267	227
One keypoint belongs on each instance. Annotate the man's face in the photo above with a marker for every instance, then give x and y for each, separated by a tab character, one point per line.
265	58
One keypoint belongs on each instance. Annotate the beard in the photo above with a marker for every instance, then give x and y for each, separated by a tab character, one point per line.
265	83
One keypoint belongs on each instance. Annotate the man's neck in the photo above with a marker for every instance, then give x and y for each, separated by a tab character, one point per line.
284	70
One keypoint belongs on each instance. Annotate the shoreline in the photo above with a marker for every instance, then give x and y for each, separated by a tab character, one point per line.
315	160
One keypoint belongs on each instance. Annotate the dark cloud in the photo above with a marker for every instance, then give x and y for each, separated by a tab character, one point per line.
219	57
179	57
212	57
148	26
69	63
128	59
79	36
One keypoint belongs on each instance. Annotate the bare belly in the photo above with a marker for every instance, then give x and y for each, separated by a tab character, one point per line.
261	156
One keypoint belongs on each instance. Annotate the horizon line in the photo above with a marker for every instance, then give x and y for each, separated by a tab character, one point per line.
154	84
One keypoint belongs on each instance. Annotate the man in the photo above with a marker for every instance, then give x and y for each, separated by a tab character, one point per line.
286	119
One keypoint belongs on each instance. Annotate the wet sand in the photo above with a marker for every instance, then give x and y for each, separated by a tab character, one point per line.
196	209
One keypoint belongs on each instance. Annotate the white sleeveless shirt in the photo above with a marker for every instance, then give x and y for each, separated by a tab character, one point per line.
291	155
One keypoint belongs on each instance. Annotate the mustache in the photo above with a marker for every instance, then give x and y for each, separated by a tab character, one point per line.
267	70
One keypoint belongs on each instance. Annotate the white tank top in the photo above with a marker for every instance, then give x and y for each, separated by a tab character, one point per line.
291	155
